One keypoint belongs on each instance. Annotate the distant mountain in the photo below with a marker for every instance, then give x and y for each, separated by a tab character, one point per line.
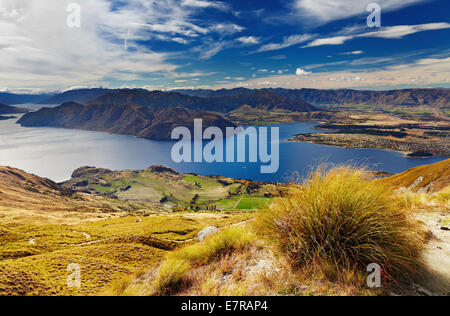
80	96
407	97
143	122
12	98
7	109
157	99
205	93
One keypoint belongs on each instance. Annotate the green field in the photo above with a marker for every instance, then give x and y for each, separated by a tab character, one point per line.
172	190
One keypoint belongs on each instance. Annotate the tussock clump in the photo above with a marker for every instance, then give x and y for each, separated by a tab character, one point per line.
215	246
444	196
173	275
343	219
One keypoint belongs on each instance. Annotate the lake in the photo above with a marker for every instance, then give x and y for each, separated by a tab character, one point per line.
55	153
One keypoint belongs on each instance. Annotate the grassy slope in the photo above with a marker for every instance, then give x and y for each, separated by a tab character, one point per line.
30	198
116	248
224	265
436	177
109	250
45	227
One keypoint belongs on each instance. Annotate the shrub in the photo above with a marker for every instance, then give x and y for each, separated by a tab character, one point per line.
344	219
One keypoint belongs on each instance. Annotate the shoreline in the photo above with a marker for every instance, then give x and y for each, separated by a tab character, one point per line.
344	141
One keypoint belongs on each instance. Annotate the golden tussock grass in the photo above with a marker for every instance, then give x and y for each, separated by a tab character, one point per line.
341	219
175	274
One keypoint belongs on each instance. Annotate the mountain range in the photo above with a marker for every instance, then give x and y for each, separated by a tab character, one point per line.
265	100
407	97
438	97
135	120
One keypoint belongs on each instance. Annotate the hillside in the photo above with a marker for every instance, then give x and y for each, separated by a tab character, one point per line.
7	109
263	100
423	179
44	228
27	197
408	97
132	120
78	96
123	248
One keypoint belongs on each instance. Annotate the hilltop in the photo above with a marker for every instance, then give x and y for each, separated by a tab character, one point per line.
139	121
172	190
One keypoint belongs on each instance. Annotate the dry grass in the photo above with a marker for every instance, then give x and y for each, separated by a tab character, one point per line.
341	219
216	246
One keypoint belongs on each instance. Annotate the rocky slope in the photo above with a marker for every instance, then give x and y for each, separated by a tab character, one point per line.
139	121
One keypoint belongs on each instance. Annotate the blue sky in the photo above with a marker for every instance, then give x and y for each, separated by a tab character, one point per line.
165	44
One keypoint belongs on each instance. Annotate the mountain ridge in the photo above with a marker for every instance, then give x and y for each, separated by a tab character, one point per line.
410	97
134	120
224	104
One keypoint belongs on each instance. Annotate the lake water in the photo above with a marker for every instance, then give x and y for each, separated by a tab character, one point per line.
56	153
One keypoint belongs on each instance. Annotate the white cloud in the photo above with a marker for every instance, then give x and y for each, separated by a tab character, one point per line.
288	41
227	28
336	40
390	32
301	72
421	73
38	49
249	40
206	4
404	30
356	52
323	11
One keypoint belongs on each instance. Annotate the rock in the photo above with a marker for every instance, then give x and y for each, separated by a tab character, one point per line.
416	183
208	231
